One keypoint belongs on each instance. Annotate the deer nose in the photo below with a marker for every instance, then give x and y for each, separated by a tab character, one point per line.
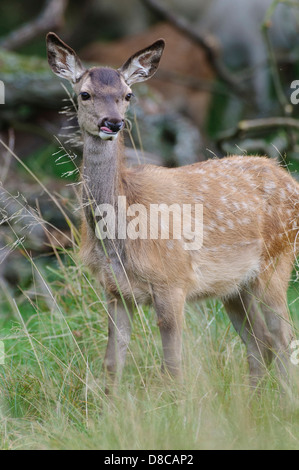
114	125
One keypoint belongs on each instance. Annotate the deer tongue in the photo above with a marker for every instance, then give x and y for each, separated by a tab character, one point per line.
106	129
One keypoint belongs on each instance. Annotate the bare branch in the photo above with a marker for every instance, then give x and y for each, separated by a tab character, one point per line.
285	105
211	53
51	17
257	125
282	99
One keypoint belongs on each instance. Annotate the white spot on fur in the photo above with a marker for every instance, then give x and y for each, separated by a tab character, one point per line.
236	205
220	215
223	199
230	224
269	186
282	194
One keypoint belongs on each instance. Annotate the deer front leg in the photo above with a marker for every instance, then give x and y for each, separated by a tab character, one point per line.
119	334
169	305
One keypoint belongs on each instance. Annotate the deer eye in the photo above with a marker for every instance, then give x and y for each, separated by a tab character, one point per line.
129	96
85	96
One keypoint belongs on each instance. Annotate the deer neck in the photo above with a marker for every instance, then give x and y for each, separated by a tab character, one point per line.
102	182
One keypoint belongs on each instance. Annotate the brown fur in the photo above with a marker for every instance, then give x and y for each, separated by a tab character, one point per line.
250	232
255	227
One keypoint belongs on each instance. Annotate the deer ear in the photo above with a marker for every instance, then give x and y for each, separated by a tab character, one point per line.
144	64
63	60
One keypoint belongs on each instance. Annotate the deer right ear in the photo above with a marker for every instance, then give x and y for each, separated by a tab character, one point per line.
144	64
63	60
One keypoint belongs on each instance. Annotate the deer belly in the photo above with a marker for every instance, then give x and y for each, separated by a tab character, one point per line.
223	270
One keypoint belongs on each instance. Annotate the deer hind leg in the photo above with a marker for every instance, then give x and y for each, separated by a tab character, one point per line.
271	291
249	324
119	334
169	305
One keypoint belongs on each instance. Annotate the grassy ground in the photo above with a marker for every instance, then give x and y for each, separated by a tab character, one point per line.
52	386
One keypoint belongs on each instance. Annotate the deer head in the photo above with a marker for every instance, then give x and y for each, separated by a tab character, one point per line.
103	93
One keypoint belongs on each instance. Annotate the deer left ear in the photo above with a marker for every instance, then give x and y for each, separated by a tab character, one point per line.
144	64
63	60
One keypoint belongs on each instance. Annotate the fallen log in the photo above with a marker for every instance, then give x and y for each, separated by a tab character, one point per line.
28	80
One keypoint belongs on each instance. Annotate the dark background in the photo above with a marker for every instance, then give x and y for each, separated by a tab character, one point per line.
225	63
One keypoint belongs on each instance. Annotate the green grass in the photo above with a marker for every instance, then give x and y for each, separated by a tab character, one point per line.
52	385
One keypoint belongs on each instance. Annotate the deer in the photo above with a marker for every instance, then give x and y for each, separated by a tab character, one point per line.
249	224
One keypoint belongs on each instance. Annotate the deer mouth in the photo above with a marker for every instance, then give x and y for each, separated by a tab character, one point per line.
107	134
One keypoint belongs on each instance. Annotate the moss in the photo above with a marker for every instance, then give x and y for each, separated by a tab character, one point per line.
14	64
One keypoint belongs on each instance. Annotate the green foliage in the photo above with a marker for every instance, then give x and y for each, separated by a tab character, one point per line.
52	161
52	386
